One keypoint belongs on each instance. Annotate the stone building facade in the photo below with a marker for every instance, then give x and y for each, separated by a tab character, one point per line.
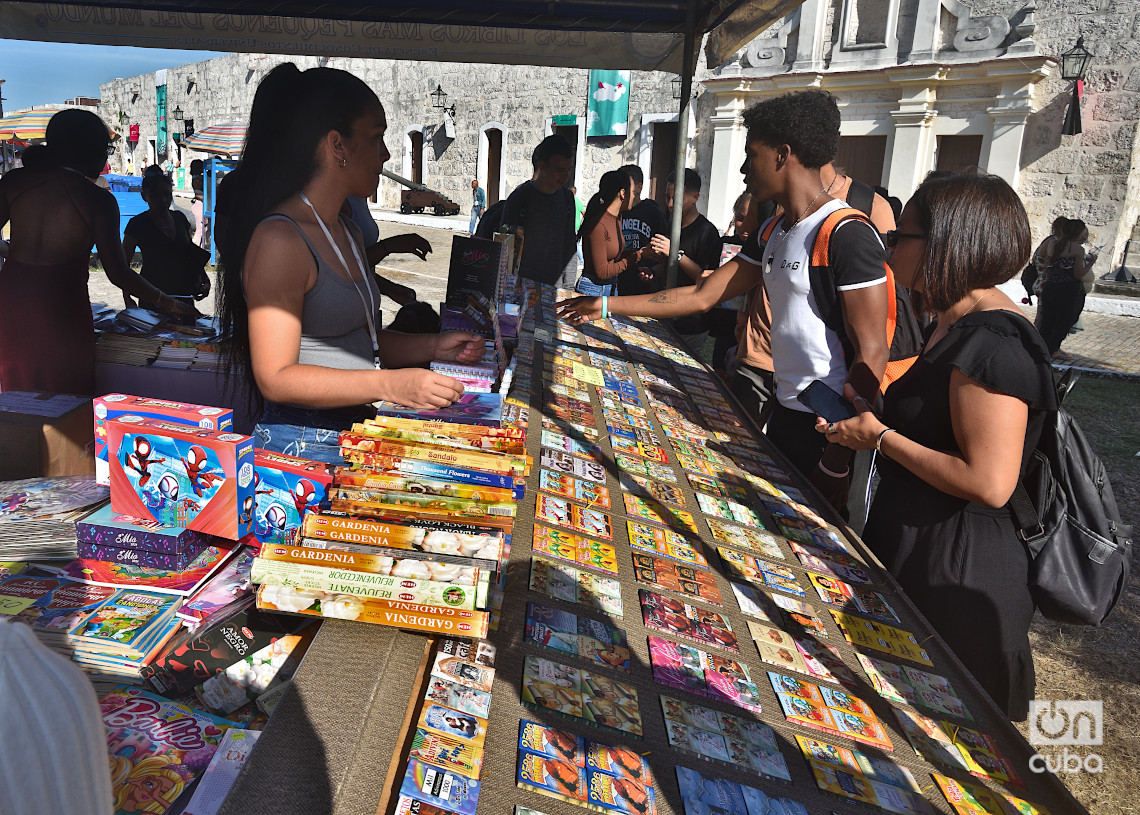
947	84
501	113
922	84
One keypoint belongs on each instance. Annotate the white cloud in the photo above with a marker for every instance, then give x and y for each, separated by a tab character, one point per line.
619	128
609	93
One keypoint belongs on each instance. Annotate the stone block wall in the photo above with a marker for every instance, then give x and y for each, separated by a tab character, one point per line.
522	98
1087	176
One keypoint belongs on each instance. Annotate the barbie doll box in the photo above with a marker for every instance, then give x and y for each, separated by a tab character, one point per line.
114	405
190	477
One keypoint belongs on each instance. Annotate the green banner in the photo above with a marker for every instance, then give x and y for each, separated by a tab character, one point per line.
607	109
160	141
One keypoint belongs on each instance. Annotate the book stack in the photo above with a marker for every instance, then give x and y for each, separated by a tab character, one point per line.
445	759
38	515
109	632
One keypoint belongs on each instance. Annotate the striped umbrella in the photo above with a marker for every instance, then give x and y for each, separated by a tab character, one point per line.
25	125
224	139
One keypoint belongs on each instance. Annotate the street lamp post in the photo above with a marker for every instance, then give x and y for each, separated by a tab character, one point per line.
1074	65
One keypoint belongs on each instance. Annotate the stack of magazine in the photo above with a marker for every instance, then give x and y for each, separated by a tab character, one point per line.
38	515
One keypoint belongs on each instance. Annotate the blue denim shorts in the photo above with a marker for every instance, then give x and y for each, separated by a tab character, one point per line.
305	432
589	288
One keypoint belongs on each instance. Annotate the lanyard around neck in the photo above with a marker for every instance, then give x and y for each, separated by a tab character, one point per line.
370	303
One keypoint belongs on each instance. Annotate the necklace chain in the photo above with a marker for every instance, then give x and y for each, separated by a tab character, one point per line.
822	191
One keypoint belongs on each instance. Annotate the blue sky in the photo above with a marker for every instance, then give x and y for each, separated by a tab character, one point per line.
38	73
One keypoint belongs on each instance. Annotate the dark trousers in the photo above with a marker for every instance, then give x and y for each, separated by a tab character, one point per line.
756	390
792	432
1060	305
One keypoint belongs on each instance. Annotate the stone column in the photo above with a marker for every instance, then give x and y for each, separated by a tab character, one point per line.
725	181
913	144
1009	113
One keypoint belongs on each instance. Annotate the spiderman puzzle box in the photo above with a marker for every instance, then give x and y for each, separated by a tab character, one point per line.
114	405
182	476
285	487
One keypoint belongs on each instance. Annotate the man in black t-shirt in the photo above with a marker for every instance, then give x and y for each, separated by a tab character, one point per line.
644	219
700	252
544	207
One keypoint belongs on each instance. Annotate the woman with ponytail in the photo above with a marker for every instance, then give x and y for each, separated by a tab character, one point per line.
47	340
299	311
603	247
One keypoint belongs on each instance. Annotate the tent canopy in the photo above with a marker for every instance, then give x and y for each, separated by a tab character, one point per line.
603	34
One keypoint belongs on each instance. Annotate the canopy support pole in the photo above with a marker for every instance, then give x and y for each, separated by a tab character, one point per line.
683	113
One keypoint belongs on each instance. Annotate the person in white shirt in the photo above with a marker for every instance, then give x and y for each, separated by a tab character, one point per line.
790	138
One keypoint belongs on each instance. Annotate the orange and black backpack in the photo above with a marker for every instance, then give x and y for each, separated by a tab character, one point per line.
904	335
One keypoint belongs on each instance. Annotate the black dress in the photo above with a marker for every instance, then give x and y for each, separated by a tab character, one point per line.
962	563
172	265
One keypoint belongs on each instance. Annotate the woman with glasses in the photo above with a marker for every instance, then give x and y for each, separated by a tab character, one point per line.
957	429
1061	266
47	341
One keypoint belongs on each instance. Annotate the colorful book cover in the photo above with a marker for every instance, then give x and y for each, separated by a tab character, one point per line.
760	572
578	636
707	734
470	408
157	748
549	742
553	777
447	790
565	582
577	489
580	694
222	772
575	549
664	574
683	620
52	605
649	509
179	582
468	729
227	585
446	753
664	542
458	697
125	621
608	793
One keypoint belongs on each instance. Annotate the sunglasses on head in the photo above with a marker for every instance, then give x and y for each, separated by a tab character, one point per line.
892	238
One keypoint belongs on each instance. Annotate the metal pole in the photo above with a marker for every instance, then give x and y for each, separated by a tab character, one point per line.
686	101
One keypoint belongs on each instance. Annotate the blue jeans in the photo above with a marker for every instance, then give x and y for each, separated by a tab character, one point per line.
476	214
589	288
305	432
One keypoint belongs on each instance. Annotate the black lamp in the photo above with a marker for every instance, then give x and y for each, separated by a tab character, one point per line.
176	114
1075	63
677	88
439	101
1074	66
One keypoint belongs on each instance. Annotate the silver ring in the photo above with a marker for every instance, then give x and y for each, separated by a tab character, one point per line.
831	428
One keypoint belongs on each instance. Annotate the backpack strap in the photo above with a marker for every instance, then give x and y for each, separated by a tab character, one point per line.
822	284
861	196
1029	526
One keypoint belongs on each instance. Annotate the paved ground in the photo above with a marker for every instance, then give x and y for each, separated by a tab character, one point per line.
1108	344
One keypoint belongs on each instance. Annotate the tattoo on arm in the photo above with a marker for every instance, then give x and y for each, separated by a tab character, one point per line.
666	296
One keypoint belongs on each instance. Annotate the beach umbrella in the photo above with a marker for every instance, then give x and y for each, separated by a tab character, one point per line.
25	124
224	139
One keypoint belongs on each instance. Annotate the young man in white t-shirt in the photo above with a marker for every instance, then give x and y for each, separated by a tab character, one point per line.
789	139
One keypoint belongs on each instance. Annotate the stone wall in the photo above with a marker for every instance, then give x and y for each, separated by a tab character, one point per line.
521	98
1085	176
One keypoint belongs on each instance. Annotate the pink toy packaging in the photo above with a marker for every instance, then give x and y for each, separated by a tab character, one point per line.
114	405
182	476
285	488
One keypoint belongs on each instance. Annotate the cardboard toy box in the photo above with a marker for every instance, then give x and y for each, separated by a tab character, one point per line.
114	405
108	535
45	434
285	488
180	476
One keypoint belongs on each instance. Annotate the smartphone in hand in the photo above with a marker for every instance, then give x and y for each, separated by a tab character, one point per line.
824	401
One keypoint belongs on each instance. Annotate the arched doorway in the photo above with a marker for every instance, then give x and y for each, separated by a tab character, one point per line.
413	164
491	168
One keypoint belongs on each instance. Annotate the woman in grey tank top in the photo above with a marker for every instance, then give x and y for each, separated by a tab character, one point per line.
299	304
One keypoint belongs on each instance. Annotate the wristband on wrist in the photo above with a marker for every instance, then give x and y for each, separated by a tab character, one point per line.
879	441
846	472
605	307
